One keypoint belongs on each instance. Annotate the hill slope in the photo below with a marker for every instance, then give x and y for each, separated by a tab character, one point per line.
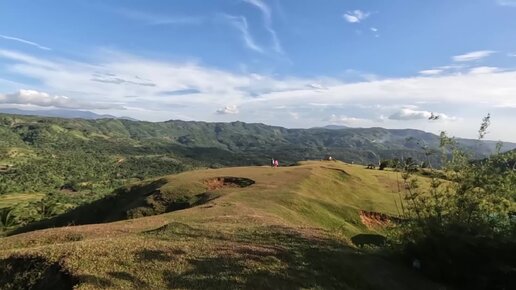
261	227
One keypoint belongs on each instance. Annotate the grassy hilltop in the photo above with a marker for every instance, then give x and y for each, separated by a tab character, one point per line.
51	165
240	227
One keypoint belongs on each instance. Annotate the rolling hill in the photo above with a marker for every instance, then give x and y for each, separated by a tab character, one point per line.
242	227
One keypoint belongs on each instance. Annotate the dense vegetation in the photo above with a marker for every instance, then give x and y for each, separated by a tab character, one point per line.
462	229
74	161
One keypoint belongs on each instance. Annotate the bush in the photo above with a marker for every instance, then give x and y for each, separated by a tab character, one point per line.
462	229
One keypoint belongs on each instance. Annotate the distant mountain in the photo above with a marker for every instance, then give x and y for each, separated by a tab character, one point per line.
62	113
333	127
234	143
127	118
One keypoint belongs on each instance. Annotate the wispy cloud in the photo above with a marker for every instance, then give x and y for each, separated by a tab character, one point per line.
111	78
267	18
264	8
240	23
160	19
355	16
24	41
511	3
316	86
483	70
431	72
375	31
24	58
472	56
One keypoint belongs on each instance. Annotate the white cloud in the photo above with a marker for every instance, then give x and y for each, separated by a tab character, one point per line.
24	41
231	109
116	76
411	114
355	16
42	99
240	23
213	86
472	56
373	29
255	96
431	72
483	70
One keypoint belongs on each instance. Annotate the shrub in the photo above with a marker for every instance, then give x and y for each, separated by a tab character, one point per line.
462	229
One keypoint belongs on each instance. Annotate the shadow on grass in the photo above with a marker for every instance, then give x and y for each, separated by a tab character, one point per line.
33	272
108	209
279	258
94	280
361	240
137	283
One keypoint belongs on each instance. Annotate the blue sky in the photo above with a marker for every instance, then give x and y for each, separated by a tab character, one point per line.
293	63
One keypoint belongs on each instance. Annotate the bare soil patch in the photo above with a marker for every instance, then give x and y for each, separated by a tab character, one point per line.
228	182
374	220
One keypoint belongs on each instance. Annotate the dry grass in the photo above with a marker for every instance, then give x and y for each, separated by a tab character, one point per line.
10	200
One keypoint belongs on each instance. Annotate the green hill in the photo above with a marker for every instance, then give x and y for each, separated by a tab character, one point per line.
243	227
36	148
65	163
257	141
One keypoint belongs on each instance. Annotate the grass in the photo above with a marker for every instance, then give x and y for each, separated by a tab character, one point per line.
291	229
11	200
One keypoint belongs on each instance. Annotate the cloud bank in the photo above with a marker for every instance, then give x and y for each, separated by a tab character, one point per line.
42	99
150	89
411	114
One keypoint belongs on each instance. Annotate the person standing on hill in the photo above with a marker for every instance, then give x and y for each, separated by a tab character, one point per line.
272	162
276	163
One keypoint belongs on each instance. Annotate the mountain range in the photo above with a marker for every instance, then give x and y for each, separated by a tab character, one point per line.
234	143
62	113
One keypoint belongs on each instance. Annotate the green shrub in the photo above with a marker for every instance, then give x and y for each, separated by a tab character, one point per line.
462	229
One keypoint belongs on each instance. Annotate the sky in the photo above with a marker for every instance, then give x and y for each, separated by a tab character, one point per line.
291	63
